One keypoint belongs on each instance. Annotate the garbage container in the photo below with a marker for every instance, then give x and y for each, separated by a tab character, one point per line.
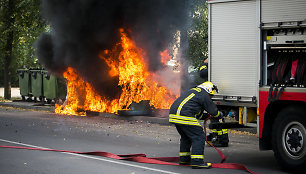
24	83
53	87
37	84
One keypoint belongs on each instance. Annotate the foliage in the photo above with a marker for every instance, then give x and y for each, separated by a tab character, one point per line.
198	35
28	24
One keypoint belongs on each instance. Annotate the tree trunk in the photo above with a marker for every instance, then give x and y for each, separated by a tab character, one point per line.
8	49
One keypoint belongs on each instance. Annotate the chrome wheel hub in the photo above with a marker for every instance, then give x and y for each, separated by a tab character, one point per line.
294	140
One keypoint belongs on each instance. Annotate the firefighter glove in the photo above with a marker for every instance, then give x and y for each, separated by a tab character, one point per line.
219	115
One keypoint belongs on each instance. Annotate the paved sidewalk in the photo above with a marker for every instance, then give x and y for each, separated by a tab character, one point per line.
28	105
159	117
15	94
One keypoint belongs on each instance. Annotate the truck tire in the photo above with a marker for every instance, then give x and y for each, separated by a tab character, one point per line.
289	139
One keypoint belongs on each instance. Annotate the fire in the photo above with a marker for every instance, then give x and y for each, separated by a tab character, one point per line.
165	57
82	97
134	79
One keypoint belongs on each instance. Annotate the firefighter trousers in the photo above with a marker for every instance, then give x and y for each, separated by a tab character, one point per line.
192	137
221	134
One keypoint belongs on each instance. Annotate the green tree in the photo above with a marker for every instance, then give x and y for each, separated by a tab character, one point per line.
20	25
198	35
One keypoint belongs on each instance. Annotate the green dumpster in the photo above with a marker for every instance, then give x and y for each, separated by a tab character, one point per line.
53	87
24	83
37	84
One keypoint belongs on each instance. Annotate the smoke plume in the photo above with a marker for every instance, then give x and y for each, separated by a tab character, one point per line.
80	29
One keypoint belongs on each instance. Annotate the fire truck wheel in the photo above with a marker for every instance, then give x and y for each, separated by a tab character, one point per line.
289	139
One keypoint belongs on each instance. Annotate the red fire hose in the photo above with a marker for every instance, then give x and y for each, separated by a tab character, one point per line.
223	157
141	158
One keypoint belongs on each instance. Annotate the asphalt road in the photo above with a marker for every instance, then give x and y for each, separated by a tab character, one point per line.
106	133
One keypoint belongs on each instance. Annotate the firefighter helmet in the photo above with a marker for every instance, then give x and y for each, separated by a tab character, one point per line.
209	87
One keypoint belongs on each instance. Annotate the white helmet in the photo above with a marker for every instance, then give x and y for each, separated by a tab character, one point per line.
209	87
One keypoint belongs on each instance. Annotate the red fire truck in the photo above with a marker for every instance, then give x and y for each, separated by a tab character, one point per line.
257	58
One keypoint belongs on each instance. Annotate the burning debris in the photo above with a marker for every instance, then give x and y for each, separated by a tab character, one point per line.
112	53
134	79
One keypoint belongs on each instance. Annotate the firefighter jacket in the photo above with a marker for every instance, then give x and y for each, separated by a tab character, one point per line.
189	107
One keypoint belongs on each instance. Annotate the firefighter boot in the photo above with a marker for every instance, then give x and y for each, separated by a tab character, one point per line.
185	158
197	162
218	140
221	140
212	137
224	140
184	163
202	166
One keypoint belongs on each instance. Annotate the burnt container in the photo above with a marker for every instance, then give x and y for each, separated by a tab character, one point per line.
54	87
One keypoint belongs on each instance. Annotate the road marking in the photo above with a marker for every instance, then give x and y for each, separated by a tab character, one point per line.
90	157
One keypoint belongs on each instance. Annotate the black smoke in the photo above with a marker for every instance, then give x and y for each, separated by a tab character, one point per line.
81	29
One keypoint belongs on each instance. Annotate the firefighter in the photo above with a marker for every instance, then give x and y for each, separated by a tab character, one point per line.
218	137
204	70
185	113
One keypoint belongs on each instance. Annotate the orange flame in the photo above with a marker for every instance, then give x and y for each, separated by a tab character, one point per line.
134	79
82	97
165	57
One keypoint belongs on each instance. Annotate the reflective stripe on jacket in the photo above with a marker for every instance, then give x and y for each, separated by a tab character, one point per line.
189	107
